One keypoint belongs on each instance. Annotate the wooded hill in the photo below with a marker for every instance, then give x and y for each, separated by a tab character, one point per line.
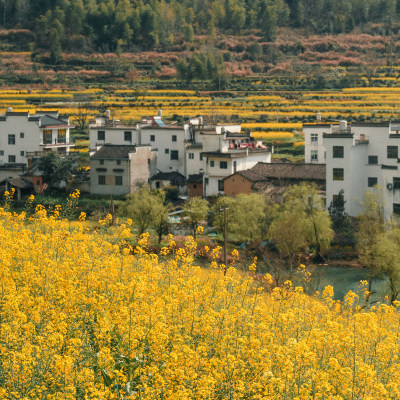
124	25
205	40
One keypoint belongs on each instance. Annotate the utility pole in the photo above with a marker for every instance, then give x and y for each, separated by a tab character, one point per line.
225	244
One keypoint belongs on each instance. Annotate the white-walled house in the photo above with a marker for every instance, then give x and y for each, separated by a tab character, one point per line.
236	152
21	132
314	150
357	159
121	169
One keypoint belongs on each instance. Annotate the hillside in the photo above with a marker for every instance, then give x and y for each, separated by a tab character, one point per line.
295	60
310	44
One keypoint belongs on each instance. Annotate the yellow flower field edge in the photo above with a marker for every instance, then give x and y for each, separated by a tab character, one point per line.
87	316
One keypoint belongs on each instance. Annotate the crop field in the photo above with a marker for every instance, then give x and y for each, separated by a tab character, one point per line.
93	314
272	116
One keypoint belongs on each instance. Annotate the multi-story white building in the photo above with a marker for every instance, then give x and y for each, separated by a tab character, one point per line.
121	169
168	140
216	151
357	159
21	132
314	150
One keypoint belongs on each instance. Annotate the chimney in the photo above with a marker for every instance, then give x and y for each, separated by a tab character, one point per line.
342	125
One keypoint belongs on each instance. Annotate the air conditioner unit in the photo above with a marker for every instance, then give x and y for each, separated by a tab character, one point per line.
389	186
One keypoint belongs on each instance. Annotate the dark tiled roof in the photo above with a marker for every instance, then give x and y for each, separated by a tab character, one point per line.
237	134
114	152
174	177
263	171
48	120
17	113
195	178
20	183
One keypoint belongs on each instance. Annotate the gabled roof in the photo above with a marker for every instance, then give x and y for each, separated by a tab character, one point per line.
195	178
114	152
174	177
264	171
20	183
47	120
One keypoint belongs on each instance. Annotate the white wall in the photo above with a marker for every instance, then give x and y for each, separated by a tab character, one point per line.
195	165
243	161
164	144
318	146
113	135
358	169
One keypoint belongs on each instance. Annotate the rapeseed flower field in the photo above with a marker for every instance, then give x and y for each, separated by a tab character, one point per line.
93	314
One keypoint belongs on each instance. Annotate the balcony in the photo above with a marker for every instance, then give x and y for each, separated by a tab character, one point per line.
56	142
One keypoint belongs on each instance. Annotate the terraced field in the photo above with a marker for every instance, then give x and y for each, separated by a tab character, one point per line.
273	116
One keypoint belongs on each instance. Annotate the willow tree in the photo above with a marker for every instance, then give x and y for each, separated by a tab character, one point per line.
299	223
371	224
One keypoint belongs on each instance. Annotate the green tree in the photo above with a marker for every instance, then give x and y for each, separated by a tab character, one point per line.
371	224
56	168
188	33
245	217
341	222
387	259
195	210
146	208
249	224
300	222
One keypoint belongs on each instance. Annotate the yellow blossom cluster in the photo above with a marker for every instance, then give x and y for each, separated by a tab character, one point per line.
82	316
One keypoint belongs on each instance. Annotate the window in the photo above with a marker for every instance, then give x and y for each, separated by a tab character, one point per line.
11	159
392	152
22	153
223	164
101	162
47	136
101	135
61	135
220	185
174	138
191	156
118	162
234	166
206	181
314	137
102	179
128	136
152	138
396	209
337	151
118	180
314	155
338	174
396	183
372	182
211	163
201	157
174	155
22	135
1	152
166	151
11	139
372	159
